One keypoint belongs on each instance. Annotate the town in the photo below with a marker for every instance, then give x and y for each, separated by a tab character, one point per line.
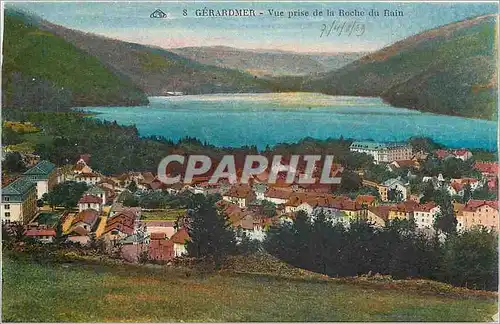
140	216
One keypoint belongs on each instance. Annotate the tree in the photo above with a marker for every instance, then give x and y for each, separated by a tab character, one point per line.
10	137
132	186
350	181
395	195
471	259
209	230
484	193
467	193
268	208
66	194
428	192
445	220
13	162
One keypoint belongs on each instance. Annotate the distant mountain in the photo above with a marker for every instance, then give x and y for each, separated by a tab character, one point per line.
268	63
447	70
157	71
44	72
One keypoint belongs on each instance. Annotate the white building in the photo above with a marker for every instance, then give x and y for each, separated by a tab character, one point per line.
383	152
424	215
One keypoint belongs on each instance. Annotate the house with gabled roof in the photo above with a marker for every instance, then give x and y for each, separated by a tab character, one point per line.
19	201
180	239
98	192
90	202
44	174
479	213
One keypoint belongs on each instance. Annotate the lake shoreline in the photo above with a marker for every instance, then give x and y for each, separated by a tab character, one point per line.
235	120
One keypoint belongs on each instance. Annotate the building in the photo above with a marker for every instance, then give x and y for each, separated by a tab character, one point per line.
378	215
42	235
240	195
479	213
487	169
402	210
180	239
90	202
121	225
89	178
86	219
98	192
44	174
383	152
277	196
19	201
424	215
393	184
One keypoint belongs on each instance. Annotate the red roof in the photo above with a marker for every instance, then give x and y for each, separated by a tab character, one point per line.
472	205
240	191
441	154
180	237
365	199
425	207
40	232
277	193
87	216
90	199
381	211
461	152
158	236
487	167
85	158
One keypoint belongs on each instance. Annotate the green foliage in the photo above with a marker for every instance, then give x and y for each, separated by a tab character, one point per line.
394	195
66	194
471	259
10	137
43	72
484	193
398	249
447	70
350	181
132	187
378	173
209	230
445	220
128	199
13	163
268	208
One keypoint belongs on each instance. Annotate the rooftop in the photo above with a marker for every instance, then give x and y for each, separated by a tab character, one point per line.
18	187
41	168
376	145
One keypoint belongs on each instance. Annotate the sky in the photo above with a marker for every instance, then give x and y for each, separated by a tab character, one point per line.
130	21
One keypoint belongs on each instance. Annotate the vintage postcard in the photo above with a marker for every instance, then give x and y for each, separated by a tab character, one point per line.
249	161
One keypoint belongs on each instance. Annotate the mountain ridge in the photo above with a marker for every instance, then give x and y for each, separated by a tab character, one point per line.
449	70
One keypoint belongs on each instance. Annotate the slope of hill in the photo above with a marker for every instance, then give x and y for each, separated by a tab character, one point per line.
447	70
157	71
128	293
42	71
266	62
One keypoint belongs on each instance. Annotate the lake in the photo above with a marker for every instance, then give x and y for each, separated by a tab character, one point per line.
261	119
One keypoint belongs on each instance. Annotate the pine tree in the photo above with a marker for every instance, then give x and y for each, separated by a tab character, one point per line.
445	220
209	230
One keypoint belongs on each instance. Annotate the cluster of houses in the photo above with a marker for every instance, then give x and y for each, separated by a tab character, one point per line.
100	216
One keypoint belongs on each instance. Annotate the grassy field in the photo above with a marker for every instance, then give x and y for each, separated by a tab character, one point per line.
96	292
170	214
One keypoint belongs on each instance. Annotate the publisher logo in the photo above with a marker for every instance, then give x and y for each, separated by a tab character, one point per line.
158	13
